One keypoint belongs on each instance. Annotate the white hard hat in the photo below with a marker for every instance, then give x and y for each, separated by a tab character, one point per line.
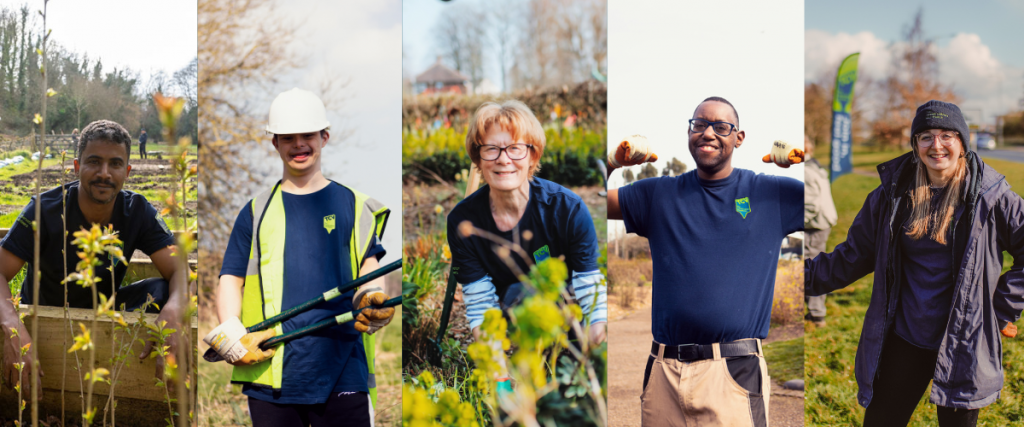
297	111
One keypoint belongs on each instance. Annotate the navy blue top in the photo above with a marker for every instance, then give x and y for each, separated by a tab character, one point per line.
138	225
715	247
556	223
315	261
926	298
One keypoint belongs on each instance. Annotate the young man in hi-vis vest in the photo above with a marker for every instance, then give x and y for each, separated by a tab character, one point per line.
304	236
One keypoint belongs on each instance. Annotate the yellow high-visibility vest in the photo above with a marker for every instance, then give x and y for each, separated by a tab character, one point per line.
264	277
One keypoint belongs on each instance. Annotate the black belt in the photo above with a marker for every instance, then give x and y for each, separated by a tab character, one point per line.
706	351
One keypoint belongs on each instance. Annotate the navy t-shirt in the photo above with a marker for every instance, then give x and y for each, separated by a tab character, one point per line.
138	225
315	260
926	299
715	247
556	223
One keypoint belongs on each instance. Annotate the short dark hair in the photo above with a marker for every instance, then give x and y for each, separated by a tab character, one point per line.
105	130
726	102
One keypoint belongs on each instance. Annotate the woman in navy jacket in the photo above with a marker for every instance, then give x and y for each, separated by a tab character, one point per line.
933	233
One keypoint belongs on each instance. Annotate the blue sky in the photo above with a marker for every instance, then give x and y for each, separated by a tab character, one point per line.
980	45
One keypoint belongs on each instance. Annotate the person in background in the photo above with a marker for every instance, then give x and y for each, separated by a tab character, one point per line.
142	143
819	217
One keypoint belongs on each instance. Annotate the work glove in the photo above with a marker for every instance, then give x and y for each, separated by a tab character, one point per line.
371	319
1010	330
231	342
633	151
784	154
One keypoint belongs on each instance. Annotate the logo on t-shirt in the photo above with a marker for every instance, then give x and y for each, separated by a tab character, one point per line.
329	223
542	254
743	206
163	225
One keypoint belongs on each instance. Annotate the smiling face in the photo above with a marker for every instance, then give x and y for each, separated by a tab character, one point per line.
939	159
711	151
503	173
102	168
300	152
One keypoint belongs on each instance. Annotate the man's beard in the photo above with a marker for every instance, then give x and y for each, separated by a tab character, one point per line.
712	162
92	188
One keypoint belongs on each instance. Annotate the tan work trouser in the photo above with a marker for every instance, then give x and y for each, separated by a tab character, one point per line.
702	393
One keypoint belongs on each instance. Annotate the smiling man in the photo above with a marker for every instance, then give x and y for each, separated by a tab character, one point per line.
715	236
304	236
96	198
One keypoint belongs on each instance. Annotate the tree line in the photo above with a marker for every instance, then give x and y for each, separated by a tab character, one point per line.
85	90
536	43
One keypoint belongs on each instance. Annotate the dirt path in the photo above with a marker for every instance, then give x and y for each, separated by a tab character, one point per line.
630	339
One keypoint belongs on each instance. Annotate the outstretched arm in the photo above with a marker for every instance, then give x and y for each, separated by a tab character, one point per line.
632	151
850	260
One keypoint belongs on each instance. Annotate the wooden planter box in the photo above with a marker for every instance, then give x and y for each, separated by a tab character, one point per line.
139	401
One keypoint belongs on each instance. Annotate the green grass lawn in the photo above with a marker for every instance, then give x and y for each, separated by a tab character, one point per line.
831	396
785	359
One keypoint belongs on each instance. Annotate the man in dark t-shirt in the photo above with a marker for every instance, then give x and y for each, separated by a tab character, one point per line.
715	237
96	198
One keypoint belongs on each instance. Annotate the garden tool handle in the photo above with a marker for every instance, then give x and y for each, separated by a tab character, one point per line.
326	323
449	297
326	296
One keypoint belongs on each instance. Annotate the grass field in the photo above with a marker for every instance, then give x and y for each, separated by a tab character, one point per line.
831	396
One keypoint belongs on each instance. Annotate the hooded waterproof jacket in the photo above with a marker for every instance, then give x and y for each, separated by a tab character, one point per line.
969	372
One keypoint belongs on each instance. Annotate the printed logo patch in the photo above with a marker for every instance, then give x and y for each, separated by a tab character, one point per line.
542	254
163	225
743	206
329	223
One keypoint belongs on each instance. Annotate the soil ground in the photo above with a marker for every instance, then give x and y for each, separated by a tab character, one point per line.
630	339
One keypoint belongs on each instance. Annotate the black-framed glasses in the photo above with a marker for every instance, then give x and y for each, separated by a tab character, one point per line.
721	128
514	151
927	139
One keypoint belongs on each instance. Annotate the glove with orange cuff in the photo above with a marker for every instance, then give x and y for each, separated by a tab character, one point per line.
633	151
371	319
784	154
1010	330
237	347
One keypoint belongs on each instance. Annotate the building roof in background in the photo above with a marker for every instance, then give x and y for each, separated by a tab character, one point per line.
441	73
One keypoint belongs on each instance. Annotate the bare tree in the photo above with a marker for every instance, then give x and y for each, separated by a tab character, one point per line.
242	51
186	80
913	79
462	35
504	34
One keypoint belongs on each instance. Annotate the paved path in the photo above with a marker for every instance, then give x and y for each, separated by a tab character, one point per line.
1013	155
629	340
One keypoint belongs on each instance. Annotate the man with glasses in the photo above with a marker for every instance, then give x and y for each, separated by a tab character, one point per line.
715	236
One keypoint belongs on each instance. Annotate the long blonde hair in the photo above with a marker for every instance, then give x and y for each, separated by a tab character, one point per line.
926	220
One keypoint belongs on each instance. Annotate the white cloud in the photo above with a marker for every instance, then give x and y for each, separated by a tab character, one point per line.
824	51
980	79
